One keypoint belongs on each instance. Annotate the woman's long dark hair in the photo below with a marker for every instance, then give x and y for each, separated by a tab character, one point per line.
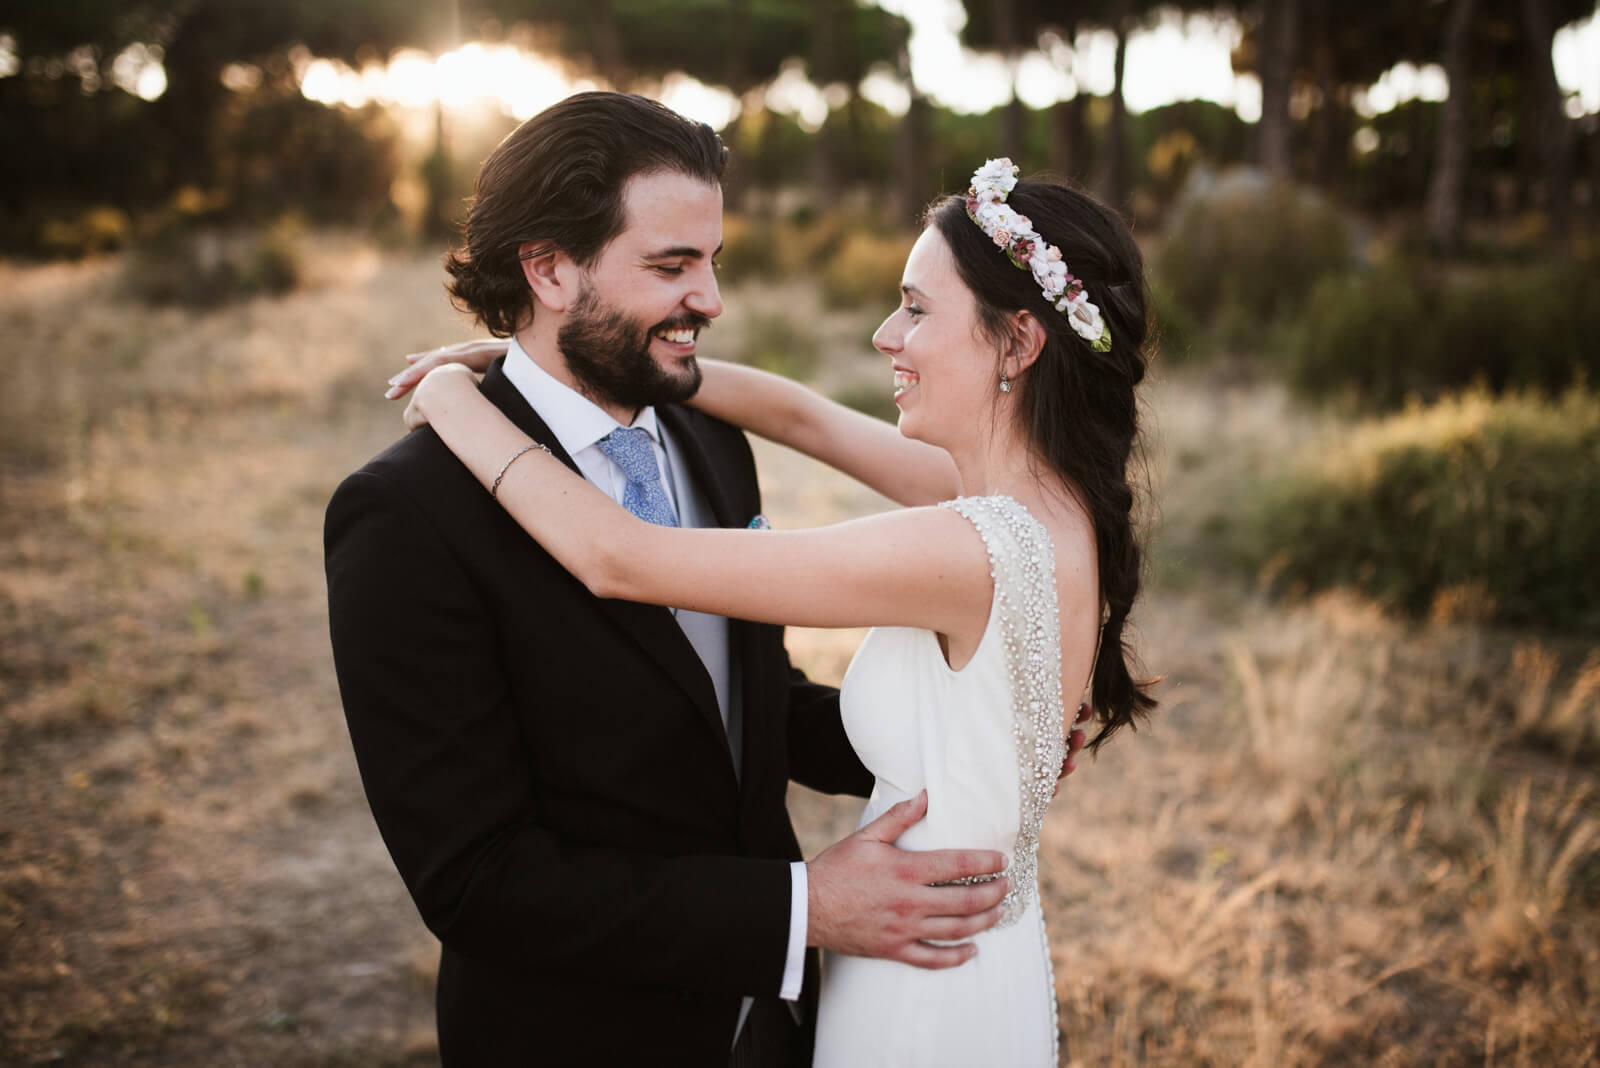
1076	407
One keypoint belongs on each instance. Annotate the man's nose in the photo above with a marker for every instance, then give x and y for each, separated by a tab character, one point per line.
706	298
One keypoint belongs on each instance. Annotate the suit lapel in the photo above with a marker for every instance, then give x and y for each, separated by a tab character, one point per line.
703	466
650	626
713	473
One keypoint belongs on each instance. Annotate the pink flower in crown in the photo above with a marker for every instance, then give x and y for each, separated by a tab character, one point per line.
1054	254
1002	238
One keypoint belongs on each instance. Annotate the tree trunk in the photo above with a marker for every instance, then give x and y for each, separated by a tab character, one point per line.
1111	179
189	108
1442	209
1327	147
1067	138
1014	135
911	152
911	144
610	55
1005	35
1279	38
736	179
1066	124
1554	128
827	167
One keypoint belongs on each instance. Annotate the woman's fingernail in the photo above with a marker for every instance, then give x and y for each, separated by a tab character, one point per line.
394	391
395	381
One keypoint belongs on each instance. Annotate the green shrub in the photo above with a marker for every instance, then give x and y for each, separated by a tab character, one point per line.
1371	336
749	248
1493	502
206	267
803	244
870	398
778	344
86	233
1405	331
1177	336
1241	251
865	271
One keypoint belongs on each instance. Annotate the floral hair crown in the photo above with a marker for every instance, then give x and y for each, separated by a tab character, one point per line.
986	204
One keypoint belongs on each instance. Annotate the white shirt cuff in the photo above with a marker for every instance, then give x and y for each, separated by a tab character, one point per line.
794	965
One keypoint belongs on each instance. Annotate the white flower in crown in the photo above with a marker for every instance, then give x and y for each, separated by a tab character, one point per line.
1014	234
999	173
1086	321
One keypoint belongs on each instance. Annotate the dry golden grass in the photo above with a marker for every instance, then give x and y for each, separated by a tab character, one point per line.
1346	839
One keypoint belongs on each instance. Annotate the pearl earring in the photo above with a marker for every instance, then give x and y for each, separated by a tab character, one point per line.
1005	383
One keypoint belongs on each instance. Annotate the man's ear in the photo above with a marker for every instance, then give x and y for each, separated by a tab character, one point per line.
1026	342
551	275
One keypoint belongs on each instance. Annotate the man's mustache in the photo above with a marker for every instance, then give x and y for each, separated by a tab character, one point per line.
687	321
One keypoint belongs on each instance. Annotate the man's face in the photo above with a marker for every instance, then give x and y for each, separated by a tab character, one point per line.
629	338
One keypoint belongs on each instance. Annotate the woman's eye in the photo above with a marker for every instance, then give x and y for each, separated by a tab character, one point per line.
914	311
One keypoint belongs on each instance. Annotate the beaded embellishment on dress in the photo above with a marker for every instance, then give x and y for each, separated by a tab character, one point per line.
1022	564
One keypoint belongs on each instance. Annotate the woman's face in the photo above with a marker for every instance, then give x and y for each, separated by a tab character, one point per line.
945	374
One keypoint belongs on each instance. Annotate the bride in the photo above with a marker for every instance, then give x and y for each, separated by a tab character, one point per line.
1004	585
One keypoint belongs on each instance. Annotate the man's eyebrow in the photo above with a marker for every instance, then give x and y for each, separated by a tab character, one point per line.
678	252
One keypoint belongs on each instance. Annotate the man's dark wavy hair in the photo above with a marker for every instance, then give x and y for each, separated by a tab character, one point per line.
558	179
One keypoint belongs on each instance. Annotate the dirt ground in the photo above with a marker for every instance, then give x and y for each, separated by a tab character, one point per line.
1330	849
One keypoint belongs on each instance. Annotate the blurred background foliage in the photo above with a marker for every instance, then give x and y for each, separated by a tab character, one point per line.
1370	261
1371	800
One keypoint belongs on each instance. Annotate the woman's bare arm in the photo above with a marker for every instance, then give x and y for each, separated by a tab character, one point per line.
778	409
923	567
867	449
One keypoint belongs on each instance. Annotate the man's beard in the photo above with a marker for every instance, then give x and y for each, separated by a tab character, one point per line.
609	355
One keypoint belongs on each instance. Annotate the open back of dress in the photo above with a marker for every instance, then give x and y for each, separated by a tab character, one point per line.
986	742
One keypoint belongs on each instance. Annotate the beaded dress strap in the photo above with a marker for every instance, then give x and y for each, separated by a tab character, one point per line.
1022	564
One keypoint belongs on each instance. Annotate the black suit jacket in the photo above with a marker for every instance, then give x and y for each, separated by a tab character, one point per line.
550	772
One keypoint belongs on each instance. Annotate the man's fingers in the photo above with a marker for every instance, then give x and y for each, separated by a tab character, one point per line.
897	821
923	955
962	900
952	928
948	865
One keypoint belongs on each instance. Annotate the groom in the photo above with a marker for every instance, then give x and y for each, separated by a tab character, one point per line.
585	797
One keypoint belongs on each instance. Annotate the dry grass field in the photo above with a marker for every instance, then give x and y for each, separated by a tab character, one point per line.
1346	840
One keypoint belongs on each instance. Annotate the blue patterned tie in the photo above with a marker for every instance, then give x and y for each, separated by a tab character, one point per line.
631	450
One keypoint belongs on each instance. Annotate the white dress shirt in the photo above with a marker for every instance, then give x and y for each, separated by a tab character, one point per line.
579	424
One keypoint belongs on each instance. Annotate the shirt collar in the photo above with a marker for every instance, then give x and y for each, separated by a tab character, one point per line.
575	420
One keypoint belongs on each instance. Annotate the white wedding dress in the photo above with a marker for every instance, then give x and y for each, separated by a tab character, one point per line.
986	742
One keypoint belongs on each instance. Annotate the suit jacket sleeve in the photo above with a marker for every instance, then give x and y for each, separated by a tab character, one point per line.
442	762
820	755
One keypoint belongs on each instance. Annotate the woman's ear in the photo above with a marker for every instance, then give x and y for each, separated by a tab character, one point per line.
550	274
1027	338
